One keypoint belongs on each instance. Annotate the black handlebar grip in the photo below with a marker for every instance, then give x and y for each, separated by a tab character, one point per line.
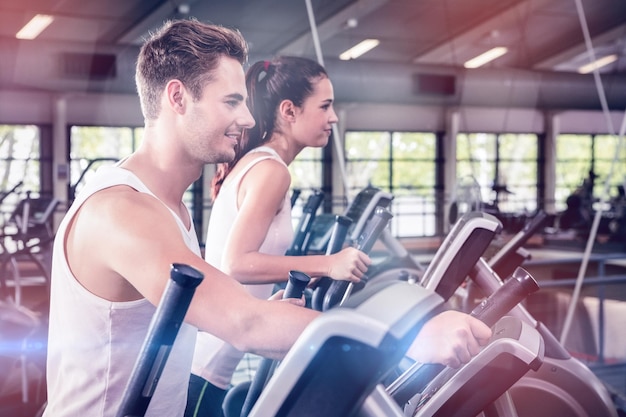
518	240
157	345
294	289
296	285
338	234
313	202
513	291
373	229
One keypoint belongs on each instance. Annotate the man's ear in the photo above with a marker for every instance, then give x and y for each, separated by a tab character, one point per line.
287	110
176	94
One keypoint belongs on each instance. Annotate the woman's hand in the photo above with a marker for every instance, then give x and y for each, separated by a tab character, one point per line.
349	264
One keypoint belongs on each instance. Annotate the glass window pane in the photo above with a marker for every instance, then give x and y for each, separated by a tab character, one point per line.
414	175
363	173
19	163
94	146
518	146
402	163
573	162
505	167
607	162
367	145
413	146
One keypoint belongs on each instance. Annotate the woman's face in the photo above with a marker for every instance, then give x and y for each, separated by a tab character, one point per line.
316	116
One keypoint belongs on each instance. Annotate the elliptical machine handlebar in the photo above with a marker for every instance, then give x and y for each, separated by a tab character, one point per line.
295	289
373	229
514	290
296	284
335	243
338	234
305	223
339	291
161	335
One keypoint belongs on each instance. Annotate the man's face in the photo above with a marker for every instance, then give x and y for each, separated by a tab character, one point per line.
215	122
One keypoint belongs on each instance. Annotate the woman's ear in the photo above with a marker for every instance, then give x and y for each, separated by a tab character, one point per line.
287	110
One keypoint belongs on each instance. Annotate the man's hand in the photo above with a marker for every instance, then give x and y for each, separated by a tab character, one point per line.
450	338
278	296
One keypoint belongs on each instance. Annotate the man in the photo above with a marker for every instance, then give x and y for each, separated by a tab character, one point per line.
114	248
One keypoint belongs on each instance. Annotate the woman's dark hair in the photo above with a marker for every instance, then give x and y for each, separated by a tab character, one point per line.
186	50
269	83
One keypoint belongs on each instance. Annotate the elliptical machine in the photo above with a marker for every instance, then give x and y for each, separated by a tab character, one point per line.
560	386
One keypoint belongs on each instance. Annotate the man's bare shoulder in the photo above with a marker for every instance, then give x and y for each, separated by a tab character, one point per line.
114	238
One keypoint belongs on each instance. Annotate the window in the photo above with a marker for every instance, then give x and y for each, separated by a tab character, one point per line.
583	164
306	171
504	166
94	146
306	176
20	167
402	163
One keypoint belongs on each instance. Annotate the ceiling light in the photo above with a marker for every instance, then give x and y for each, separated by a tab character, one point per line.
486	57
33	28
598	63
359	49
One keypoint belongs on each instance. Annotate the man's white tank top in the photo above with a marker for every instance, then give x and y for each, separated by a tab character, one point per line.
93	342
214	359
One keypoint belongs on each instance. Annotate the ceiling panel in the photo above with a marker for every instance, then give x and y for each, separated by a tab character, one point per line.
542	35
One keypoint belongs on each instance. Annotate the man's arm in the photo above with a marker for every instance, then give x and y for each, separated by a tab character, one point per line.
121	245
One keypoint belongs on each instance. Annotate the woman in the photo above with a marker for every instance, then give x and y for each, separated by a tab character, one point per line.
291	100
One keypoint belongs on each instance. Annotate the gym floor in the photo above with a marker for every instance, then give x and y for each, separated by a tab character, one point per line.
23	354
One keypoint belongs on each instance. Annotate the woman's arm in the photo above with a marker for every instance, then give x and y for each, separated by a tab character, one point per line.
261	195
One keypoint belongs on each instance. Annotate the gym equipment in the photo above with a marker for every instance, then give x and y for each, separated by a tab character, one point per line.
295	289
26	240
265	371
19	327
12	190
562	386
461	249
359	212
159	340
294	196
339	291
305	223
356	345
512	254
343	354
521	350
335	244
398	263
515	349
452	263
466	197
560	377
